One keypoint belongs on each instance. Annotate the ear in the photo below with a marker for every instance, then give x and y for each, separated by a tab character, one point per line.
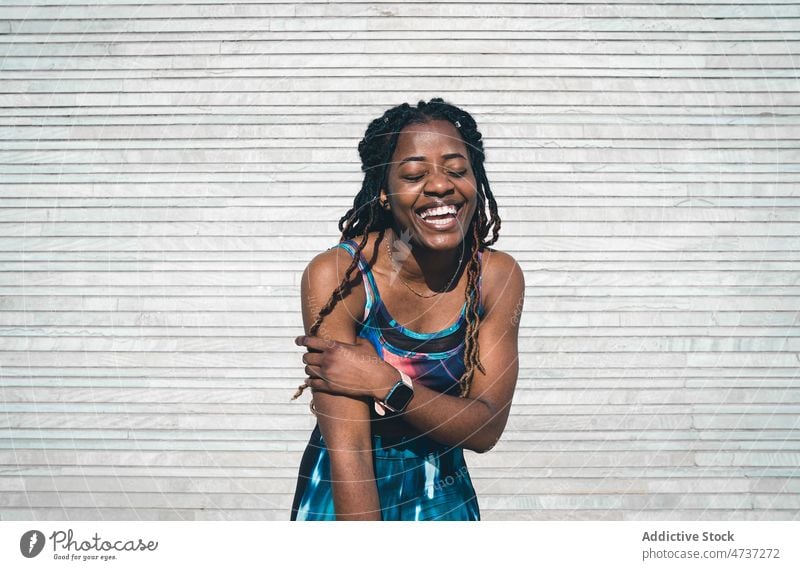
383	200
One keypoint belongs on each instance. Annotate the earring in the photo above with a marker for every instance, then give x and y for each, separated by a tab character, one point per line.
385	205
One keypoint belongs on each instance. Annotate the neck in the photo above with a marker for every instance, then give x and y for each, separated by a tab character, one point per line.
439	270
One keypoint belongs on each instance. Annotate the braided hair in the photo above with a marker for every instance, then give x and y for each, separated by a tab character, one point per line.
376	150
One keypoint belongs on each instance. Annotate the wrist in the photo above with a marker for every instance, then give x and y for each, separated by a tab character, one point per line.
398	397
389	378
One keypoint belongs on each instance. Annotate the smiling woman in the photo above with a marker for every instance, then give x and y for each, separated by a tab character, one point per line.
400	386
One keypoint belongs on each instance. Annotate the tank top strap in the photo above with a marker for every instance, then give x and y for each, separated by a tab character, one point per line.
480	283
370	288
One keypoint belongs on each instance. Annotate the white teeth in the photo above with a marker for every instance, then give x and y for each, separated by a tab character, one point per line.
440	211
438	222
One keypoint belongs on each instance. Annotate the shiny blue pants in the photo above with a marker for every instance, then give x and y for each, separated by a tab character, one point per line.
417	479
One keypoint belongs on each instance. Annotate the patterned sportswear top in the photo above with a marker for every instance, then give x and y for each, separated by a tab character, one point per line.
435	359
417	478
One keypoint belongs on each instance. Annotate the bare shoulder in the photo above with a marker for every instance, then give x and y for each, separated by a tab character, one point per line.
324	274
331	263
500	266
503	280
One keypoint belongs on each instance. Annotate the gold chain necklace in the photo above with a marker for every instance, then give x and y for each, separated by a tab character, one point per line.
391	259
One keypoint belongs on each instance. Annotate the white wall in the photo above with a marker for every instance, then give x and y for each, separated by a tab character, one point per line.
167	171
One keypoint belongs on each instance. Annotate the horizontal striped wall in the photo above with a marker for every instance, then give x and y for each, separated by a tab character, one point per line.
167	171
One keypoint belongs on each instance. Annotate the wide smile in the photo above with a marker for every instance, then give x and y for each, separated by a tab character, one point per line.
440	218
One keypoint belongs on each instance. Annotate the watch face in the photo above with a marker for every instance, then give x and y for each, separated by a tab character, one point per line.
399	397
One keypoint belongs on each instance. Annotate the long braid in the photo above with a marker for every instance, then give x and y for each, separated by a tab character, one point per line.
471	347
338	293
494	223
376	150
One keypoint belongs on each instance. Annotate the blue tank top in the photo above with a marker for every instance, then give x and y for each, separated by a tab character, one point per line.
434	359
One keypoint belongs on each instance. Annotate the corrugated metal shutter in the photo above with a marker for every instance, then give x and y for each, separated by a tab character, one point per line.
168	170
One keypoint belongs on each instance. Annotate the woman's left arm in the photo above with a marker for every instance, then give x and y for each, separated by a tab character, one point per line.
477	421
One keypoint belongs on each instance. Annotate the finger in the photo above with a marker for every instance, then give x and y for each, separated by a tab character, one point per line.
316	384
312	358
317	343
319	385
315	372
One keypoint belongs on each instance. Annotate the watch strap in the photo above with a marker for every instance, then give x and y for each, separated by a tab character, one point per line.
380	407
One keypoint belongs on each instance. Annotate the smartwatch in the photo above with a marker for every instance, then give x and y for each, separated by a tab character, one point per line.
398	398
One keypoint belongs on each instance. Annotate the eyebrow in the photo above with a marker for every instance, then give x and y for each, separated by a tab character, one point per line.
422	158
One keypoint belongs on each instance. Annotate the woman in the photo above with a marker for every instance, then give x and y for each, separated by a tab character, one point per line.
399	381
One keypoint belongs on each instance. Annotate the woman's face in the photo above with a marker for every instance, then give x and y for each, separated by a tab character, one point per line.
431	185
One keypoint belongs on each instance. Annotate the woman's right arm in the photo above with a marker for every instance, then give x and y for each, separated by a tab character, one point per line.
343	421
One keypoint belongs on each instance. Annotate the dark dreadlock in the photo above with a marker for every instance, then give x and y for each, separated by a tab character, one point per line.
376	150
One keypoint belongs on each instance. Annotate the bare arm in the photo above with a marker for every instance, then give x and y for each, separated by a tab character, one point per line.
475	422
478	421
343	420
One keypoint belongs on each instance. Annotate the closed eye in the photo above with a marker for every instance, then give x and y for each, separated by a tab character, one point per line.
418	177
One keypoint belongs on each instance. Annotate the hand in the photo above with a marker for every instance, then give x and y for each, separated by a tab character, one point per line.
348	369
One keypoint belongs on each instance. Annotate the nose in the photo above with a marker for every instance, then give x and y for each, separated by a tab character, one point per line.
438	181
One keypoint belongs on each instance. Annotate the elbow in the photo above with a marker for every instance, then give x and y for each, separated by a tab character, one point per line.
481	448
485	439
483	444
